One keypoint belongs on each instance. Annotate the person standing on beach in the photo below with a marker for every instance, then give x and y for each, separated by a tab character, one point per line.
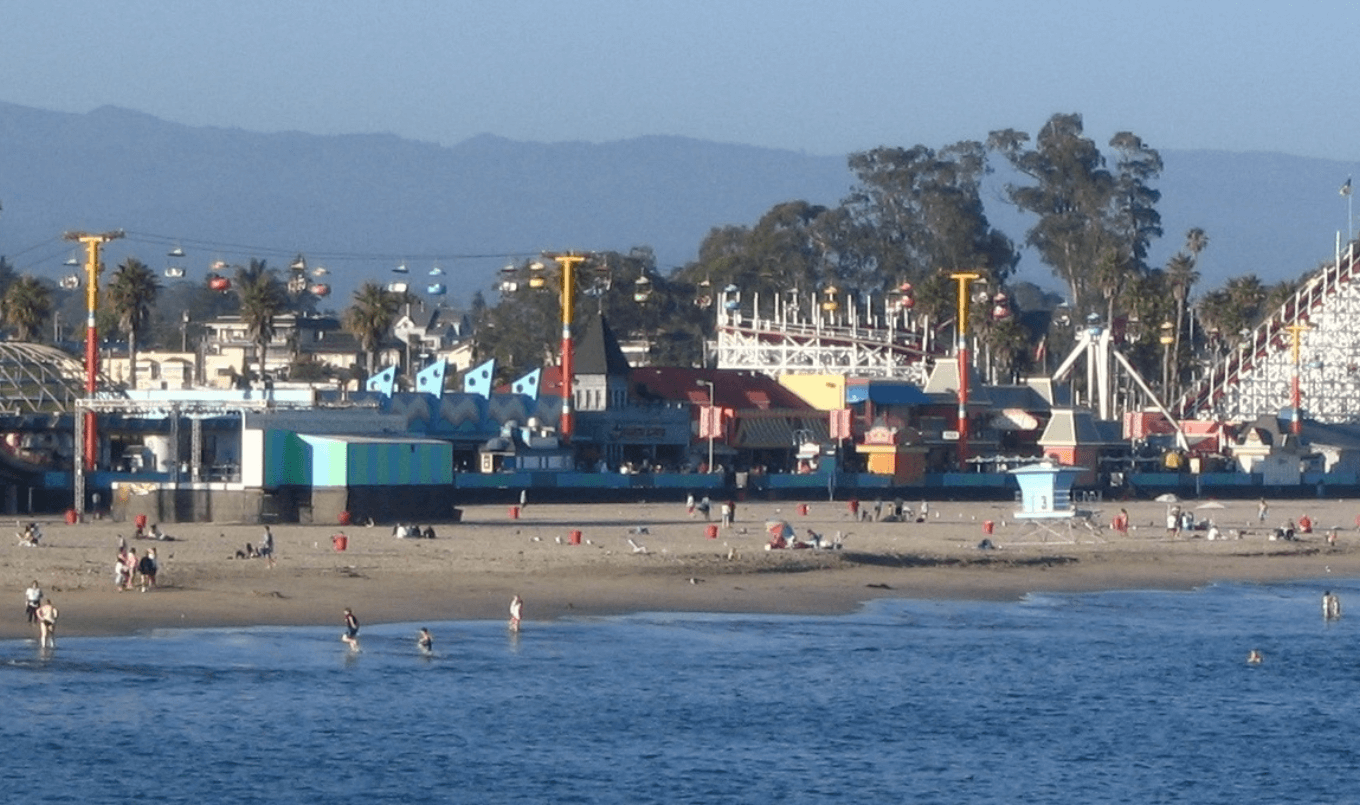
516	612
351	635
47	625
267	545
1262	509
727	515
148	567
689	505
32	600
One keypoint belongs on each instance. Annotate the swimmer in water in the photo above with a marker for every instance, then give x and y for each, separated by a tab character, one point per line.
425	641
516	612
1254	657
351	635
1331	606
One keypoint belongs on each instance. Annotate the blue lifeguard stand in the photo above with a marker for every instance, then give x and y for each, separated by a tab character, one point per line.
1046	501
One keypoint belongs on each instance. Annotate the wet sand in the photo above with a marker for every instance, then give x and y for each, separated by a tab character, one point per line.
473	568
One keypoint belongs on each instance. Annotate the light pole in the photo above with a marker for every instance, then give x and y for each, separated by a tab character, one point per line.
963	278
709	423
568	263
92	243
1295	393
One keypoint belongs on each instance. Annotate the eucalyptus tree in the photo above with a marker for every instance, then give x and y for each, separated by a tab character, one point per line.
917	212
370	317
1094	225
262	298
25	306
132	295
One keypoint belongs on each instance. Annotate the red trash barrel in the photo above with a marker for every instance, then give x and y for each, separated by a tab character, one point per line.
344	518
987	526
711	532
576	538
140	522
514	512
802	508
72	516
340	541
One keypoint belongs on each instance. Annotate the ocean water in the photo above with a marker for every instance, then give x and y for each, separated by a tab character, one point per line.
1113	697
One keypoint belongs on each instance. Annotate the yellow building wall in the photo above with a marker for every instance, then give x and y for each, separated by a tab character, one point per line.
823	392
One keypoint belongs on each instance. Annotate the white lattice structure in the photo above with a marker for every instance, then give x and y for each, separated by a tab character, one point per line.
1256	377
827	336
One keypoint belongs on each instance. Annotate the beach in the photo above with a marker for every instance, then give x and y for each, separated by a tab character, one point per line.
640	557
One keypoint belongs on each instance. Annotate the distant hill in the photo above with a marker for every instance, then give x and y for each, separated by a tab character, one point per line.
360	204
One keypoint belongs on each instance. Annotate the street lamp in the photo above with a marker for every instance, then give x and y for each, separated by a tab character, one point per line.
710	424
1167	339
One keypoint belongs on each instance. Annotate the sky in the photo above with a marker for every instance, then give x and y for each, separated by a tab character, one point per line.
825	78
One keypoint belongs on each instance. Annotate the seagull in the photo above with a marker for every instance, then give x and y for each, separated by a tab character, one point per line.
641	529
636	547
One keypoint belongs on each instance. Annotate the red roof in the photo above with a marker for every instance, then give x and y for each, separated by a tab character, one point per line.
736	389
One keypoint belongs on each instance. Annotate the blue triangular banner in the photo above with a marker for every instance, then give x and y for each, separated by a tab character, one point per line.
528	385
383	382
431	379
478	379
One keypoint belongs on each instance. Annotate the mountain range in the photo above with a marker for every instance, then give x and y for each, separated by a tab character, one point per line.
362	204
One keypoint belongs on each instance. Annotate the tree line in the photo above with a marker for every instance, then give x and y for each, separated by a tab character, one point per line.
911	218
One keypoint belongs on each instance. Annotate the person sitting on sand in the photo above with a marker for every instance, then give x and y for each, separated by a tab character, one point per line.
429	532
31	537
351	635
1306	524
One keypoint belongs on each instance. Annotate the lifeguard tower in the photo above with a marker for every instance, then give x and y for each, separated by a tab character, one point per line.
1046	503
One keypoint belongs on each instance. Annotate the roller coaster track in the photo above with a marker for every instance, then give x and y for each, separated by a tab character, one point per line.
1254	377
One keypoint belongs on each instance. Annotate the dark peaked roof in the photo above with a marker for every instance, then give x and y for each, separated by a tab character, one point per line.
597	351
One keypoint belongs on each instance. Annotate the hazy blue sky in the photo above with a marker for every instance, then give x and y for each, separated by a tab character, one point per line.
822	77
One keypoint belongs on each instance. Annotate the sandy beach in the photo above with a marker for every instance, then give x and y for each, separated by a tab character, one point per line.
473	568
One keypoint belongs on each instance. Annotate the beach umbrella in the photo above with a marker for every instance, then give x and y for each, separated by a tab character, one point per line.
779	528
1213	504
1167	498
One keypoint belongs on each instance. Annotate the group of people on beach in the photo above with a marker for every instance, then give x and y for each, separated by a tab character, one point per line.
131	571
265	551
43	613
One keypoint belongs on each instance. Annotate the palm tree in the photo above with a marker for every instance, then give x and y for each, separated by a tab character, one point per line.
262	298
132	293
26	306
370	317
